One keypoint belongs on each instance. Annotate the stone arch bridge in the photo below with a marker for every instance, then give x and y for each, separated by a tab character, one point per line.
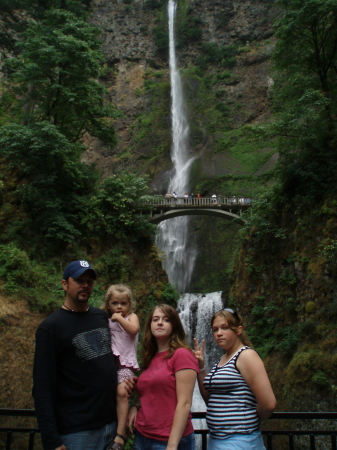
229	208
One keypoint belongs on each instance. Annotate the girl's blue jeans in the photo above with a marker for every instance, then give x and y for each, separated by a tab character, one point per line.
143	443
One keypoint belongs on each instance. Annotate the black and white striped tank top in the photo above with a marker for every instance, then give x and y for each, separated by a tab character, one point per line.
232	405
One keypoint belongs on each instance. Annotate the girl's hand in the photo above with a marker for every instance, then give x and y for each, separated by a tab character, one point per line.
130	384
132	418
199	353
116	316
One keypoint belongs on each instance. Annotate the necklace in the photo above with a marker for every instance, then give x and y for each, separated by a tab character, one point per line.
66	307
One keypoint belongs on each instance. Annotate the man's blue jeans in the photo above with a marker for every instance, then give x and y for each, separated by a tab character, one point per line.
100	439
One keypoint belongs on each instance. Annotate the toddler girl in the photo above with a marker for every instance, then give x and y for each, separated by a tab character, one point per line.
124	328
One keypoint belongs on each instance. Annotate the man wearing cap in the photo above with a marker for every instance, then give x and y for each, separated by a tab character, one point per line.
75	377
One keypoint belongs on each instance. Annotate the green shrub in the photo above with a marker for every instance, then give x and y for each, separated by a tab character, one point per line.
223	55
224	109
310	307
154	4
161	37
15	268
188	27
170	295
320	379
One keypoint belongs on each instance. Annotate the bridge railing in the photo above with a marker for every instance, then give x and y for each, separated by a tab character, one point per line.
217	201
302	435
306	431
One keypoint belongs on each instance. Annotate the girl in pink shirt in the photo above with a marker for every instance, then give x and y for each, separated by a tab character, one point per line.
165	386
124	328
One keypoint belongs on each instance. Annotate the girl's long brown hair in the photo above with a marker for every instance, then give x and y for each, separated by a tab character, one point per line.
233	323
177	339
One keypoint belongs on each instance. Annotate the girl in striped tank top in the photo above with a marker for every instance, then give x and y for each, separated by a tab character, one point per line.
237	390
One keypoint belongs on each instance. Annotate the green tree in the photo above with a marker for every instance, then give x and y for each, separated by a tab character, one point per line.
55	77
306	53
53	188
78	7
304	97
112	214
15	13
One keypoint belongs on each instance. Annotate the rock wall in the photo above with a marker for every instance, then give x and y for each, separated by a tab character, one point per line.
131	52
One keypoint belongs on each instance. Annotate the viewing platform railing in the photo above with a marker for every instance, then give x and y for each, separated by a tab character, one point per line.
209	202
312	436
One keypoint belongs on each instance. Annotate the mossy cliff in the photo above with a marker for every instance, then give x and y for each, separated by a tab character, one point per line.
284	283
224	53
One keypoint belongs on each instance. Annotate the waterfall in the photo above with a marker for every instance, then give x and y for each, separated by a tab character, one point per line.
195	312
173	234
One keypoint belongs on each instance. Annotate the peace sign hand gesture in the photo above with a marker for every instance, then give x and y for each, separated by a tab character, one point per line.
199	353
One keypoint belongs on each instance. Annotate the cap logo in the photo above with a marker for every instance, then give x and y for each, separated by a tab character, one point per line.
84	263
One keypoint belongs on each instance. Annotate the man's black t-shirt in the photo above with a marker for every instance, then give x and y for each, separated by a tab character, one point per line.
75	378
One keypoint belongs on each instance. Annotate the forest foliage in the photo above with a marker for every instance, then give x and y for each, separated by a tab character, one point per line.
304	99
286	262
54	207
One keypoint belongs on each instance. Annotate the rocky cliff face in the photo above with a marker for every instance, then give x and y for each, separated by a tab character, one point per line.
130	31
286	289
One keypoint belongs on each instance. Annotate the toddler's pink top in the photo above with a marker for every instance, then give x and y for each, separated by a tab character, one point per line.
124	345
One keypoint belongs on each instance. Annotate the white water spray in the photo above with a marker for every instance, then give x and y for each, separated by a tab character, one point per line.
173	234
195	312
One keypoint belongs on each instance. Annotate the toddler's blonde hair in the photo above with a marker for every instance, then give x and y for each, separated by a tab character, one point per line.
118	289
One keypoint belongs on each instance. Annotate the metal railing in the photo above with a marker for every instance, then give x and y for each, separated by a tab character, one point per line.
294	439
10	431
208	202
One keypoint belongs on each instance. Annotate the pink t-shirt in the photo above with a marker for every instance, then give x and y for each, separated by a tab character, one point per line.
124	345
157	391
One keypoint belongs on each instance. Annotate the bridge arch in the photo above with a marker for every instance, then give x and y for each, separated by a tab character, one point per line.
229	208
156	218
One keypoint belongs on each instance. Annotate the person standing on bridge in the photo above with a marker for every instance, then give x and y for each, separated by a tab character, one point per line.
165	386
237	390
168	197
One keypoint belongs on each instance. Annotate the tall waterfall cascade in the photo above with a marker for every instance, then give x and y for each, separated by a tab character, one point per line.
173	234
195	310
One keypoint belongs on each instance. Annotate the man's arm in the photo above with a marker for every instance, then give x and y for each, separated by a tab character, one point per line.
44	389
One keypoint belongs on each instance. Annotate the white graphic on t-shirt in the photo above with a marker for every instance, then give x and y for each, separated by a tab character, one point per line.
92	344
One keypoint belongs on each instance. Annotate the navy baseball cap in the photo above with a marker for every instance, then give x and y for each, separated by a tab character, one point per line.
76	268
